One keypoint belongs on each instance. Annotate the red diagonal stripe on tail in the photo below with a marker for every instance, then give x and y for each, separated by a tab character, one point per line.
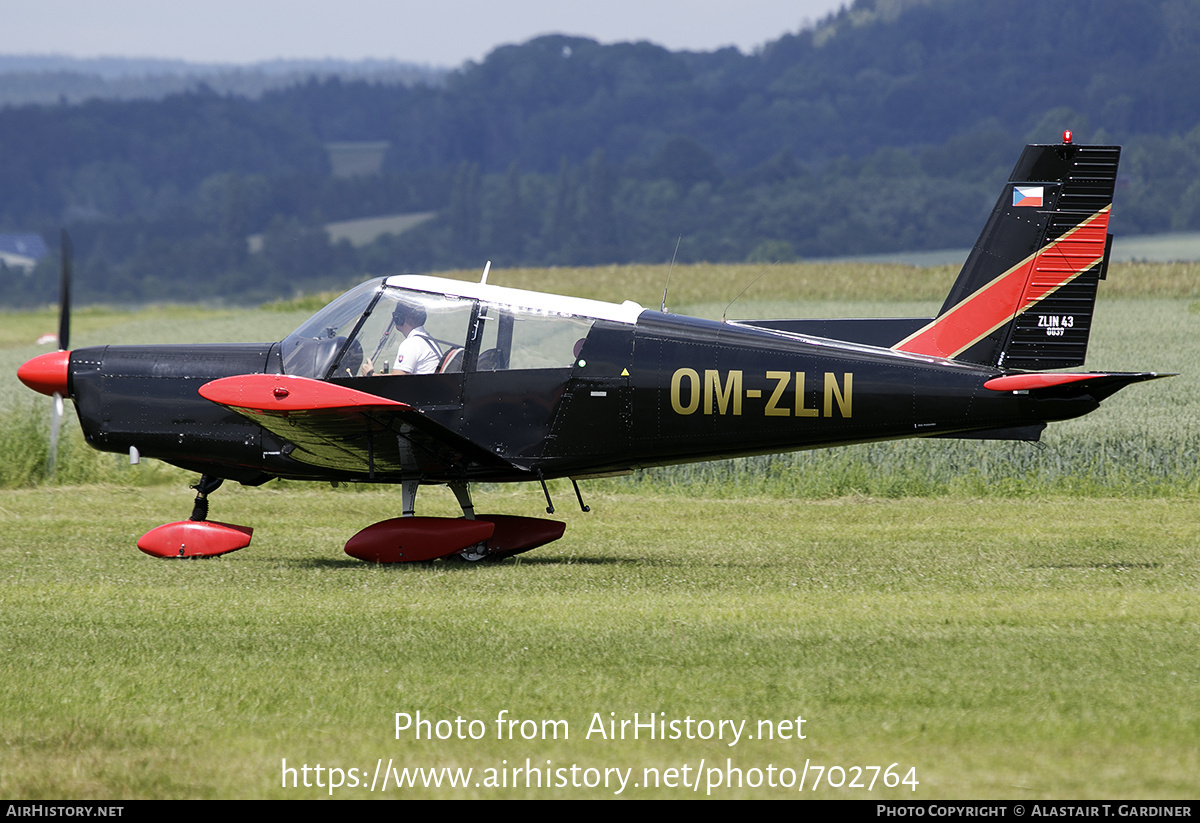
1034	278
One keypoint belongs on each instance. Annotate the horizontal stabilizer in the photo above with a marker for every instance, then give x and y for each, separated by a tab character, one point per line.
1027	434
1098	385
869	331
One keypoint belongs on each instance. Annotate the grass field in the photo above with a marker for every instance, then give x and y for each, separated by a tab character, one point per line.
996	620
1035	649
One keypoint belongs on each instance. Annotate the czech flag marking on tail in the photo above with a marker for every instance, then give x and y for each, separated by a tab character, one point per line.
1027	196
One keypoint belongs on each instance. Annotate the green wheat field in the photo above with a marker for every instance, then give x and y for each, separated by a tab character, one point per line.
912	620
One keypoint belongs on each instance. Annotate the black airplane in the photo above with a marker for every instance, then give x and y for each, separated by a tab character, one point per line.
418	380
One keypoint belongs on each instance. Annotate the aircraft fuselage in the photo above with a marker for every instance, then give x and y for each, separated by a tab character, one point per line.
668	389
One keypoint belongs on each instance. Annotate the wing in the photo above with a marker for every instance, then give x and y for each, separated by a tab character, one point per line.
340	428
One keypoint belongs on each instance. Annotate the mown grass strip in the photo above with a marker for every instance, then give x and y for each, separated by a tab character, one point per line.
1035	649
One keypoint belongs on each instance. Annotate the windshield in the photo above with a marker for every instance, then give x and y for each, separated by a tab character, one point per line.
409	332
310	350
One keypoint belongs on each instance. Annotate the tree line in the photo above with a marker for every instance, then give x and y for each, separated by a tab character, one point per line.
884	127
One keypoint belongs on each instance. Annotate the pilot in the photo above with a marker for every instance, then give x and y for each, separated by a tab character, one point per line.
418	353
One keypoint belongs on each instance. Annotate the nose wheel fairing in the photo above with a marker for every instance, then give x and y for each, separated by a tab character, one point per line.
197	536
191	538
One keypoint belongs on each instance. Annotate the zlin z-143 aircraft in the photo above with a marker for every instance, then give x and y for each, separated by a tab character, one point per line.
418	380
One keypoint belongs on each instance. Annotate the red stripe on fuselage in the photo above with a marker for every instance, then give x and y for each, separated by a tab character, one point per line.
1034	278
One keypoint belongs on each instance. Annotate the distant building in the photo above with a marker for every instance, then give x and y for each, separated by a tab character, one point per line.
357	159
22	251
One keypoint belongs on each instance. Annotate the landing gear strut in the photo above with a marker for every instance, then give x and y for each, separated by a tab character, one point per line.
204	488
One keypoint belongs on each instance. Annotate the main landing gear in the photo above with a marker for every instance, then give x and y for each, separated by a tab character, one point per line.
472	537
405	539
197	536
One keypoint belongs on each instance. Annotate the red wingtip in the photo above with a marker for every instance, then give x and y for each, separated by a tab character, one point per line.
47	373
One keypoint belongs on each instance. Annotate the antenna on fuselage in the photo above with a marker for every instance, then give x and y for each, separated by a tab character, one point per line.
487	268
748	285
669	268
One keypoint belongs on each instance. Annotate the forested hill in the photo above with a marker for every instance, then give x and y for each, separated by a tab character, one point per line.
56	79
887	126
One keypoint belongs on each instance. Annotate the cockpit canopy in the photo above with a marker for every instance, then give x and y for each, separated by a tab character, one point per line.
452	327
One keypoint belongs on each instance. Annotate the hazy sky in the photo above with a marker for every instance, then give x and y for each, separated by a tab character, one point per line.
437	32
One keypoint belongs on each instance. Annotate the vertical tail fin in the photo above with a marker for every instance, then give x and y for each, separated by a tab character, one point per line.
1025	296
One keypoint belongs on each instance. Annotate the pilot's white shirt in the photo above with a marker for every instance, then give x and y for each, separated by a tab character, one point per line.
418	354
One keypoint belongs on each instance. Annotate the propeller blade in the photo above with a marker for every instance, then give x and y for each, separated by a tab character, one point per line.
56	415
64	343
64	294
